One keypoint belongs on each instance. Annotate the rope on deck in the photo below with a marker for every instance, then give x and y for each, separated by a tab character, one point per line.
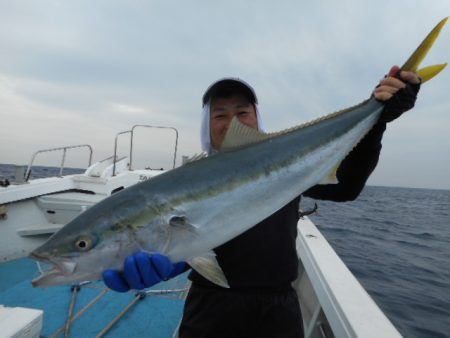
162	292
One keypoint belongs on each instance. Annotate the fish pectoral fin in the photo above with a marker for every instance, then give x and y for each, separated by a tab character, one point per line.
182	223
239	135
207	266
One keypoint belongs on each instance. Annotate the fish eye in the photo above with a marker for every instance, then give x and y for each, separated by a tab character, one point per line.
83	243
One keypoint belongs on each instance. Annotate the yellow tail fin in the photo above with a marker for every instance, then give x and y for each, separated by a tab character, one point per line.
419	54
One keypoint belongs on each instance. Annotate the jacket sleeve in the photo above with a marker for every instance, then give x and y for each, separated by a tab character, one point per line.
354	170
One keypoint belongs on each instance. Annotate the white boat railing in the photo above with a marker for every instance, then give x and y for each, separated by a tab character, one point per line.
330	289
131	131
63	159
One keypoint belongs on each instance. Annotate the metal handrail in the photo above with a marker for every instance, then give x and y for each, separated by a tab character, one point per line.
115	150
157	127
64	149
131	144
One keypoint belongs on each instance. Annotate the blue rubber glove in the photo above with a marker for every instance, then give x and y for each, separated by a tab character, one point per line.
142	270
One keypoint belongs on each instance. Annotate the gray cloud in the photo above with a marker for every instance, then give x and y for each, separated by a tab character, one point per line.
81	71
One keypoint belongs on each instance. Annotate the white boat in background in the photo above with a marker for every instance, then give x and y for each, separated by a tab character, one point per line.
31	210
333	302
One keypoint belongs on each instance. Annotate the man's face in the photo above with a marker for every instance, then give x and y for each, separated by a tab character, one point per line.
222	112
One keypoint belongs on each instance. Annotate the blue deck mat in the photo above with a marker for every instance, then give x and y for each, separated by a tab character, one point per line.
154	316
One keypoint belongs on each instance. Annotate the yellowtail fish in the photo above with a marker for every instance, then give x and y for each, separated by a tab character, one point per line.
186	212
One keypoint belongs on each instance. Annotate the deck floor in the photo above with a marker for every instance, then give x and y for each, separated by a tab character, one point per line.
156	315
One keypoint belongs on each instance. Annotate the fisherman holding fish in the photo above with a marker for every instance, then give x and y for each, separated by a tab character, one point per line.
232	216
261	264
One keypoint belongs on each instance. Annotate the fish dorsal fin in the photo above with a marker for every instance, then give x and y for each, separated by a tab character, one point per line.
239	135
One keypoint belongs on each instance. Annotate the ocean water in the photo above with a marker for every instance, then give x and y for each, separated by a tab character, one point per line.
7	171
396	241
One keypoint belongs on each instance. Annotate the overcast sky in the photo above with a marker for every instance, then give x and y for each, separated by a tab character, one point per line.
76	72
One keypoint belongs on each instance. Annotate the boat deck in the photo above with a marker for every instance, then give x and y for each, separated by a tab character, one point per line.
157	314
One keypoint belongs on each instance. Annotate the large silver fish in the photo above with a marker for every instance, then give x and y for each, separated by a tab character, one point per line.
188	211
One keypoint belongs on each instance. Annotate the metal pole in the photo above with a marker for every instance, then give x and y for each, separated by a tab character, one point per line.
75	289
138	297
62	162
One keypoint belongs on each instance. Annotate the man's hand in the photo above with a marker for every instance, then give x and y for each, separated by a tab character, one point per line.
391	84
398	90
142	270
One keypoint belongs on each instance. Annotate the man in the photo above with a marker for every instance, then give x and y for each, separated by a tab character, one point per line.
261	263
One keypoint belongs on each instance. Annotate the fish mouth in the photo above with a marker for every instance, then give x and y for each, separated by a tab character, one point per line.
58	269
